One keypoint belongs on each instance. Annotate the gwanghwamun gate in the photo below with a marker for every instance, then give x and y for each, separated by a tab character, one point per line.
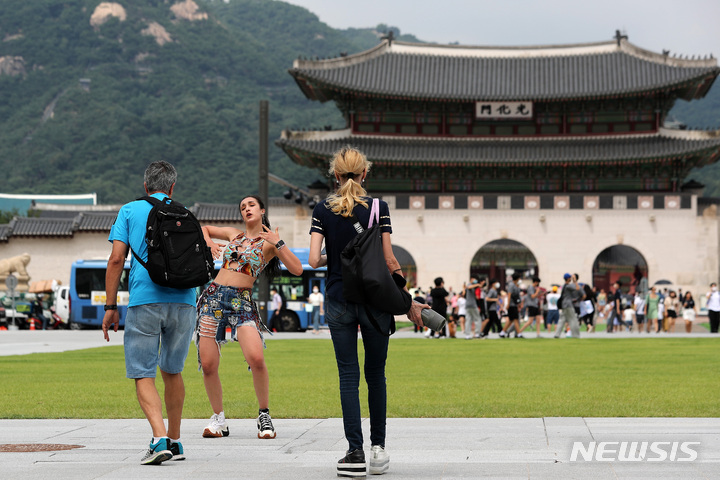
541	160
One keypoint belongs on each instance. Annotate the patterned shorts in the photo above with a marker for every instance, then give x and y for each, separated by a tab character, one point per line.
220	307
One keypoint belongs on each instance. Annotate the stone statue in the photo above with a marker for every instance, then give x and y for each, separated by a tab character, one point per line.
17	266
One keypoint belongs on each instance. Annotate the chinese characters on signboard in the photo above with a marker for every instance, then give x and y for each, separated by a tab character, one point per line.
504	110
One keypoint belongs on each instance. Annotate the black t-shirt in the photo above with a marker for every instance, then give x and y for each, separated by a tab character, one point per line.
338	231
439	304
617	298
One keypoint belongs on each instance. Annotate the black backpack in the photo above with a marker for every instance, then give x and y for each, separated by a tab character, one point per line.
178	256
366	278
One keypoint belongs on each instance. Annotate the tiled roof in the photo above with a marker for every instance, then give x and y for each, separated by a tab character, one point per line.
52	223
409	149
216	212
87	221
4	232
42	227
95	221
425	71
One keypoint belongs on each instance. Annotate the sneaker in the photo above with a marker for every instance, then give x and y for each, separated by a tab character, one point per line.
177	451
265	426
519	335
352	464
502	334
216	428
379	460
157	452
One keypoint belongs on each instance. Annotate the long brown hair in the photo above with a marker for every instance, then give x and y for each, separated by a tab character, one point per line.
348	163
272	269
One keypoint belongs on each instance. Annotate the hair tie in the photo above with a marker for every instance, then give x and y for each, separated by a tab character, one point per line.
350	175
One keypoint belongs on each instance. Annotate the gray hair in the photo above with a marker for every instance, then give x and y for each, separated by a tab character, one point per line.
160	177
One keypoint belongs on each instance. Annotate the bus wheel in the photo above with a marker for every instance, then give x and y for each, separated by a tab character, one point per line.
74	325
289	321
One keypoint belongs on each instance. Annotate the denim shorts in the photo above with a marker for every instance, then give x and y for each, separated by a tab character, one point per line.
157	335
221	307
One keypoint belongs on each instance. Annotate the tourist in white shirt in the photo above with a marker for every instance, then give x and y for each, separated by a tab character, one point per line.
316	299
639	304
713	306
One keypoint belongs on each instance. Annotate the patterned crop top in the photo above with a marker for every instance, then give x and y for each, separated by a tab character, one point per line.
246	254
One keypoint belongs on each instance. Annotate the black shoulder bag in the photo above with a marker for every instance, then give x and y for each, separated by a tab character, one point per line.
366	278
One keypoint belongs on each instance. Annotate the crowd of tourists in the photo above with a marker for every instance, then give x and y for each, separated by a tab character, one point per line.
483	307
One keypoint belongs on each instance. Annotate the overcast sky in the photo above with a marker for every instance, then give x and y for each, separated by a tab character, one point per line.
687	27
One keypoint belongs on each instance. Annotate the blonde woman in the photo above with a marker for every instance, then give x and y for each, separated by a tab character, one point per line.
331	224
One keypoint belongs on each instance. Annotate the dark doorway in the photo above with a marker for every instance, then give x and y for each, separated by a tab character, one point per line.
500	258
620	263
407	263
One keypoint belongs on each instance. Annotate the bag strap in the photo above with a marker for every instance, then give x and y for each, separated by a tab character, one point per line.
154	202
374	213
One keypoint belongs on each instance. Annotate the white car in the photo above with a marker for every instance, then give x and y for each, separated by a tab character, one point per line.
62	302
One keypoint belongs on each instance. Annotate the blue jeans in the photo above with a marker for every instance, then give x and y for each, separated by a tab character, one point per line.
316	317
343	320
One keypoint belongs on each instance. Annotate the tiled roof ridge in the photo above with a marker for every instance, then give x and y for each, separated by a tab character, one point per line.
663	59
321	135
346	61
535	51
32	226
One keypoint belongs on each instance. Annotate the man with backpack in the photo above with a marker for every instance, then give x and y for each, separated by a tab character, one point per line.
160	319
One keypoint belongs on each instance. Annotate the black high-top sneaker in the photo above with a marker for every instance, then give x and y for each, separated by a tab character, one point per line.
352	464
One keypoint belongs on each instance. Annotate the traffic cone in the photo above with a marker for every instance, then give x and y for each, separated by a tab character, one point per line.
32	323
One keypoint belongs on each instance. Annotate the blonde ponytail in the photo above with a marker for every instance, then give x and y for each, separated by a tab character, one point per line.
348	163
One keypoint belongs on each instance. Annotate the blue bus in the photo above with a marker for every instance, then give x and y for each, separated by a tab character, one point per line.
87	293
297	313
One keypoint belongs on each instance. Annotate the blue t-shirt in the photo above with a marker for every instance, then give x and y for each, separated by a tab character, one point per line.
129	228
338	231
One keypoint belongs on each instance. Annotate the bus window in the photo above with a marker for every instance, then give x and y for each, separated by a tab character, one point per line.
93	279
89	279
86	293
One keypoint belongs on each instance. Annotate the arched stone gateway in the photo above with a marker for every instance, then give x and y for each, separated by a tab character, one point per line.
500	258
407	263
620	263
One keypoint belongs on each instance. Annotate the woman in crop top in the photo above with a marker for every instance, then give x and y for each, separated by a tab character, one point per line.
227	303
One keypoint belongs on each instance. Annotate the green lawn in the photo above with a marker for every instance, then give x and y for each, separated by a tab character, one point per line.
427	378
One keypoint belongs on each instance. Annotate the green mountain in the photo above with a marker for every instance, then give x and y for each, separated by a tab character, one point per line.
92	91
